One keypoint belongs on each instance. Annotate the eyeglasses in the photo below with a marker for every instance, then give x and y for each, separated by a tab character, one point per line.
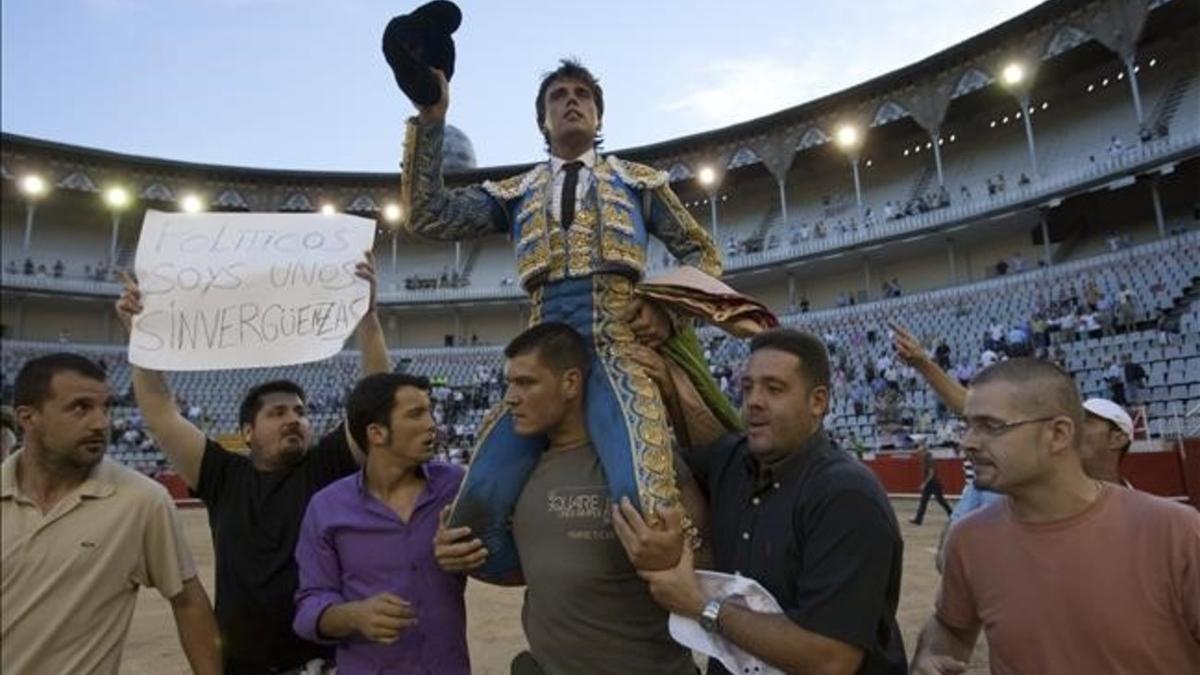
993	428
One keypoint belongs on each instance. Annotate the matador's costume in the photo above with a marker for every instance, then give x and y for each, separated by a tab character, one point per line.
583	275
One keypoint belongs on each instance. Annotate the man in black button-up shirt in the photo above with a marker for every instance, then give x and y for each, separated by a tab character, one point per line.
802	518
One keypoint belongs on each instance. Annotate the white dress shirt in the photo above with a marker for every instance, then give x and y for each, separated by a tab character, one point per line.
581	188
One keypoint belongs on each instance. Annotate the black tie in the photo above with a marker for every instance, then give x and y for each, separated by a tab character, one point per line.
570	181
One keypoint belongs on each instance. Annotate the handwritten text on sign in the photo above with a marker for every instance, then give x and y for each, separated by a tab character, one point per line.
244	290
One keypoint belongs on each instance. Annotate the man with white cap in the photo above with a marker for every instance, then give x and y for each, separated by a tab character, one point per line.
1107	435
1039	574
1107	428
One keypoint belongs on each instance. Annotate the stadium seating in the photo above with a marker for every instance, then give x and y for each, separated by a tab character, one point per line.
959	316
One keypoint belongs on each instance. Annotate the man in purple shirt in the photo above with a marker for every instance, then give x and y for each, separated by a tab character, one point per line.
368	579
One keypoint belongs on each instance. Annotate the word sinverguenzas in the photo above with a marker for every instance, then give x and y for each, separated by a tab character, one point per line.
252	314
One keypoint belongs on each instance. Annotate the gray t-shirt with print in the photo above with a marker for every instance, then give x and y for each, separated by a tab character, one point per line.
586	610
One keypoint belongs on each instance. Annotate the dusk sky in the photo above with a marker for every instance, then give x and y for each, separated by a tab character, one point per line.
302	84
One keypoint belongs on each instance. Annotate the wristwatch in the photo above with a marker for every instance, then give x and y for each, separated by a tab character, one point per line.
708	616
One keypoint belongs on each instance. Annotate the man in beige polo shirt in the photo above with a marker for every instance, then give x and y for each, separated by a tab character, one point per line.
80	533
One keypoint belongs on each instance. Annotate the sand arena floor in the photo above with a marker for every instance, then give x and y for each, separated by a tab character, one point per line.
494	614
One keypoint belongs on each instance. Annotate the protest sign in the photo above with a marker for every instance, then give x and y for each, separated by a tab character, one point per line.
247	290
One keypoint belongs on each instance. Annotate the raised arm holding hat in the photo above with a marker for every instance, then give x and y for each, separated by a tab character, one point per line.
581	223
415	43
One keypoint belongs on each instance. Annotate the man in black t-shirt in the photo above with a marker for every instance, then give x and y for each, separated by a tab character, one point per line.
257	502
806	520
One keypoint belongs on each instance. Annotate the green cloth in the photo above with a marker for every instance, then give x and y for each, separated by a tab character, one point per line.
684	349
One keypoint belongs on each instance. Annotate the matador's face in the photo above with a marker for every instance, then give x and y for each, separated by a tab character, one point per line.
571	113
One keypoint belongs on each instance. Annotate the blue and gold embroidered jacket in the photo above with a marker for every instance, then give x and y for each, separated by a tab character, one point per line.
627	203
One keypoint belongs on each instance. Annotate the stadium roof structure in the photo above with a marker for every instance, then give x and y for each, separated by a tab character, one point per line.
922	91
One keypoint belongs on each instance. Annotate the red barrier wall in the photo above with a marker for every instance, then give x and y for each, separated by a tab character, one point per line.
1190	461
1165	473
177	488
901	473
1161	473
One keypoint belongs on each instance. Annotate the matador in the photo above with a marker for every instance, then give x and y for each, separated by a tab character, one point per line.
580	223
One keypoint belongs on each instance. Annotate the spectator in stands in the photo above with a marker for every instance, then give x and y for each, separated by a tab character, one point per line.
1059	358
1091	295
1024	422
1114	147
1113	241
1089	325
1106	436
12	267
838	587
883	364
367	576
964	372
889	407
1041	336
931	486
859	395
1067	325
80	533
1166	327
1017	263
58	269
1016	342
1106	316
1135	379
965	193
41	270
256	503
941	353
1126	310
1001	268
1023	180
581	588
1114	377
29	269
857	446
987	358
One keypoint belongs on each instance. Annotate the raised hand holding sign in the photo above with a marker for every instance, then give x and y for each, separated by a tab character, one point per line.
240	290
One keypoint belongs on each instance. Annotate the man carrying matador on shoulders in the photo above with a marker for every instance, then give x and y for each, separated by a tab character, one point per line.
580	223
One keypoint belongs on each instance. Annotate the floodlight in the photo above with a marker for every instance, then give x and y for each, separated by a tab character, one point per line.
33	185
191	203
116	196
1013	74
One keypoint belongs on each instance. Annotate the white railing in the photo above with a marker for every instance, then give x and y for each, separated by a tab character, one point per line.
974	288
1109	167
466	293
1185	425
1045	188
35	282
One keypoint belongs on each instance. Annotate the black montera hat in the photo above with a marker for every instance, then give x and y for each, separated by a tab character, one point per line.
414	43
